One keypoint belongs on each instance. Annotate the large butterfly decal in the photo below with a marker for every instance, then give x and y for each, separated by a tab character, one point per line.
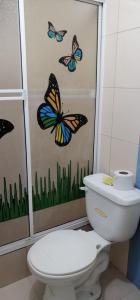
52	33
5	127
49	114
71	60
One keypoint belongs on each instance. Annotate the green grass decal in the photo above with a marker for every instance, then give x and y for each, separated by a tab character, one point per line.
45	192
13	204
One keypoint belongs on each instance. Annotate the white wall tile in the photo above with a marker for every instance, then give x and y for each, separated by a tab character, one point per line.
126	115
105	154
123	156
110	45
111	17
128	59
107	110
129	14
121	69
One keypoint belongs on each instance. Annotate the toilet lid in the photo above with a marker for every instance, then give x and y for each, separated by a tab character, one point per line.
63	252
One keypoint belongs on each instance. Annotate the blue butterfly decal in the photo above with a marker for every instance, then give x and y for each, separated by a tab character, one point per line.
49	114
76	56
5	127
53	34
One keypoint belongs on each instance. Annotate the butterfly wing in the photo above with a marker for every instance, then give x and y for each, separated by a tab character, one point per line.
76	51
5	127
78	54
72	65
47	112
52	33
65	60
71	61
70	124
46	117
51	30
63	134
75	44
60	35
52	95
68	62
75	121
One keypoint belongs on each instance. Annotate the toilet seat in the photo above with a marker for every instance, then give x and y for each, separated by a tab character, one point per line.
65	252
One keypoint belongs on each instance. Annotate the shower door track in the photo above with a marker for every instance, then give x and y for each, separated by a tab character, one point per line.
22	95
92	2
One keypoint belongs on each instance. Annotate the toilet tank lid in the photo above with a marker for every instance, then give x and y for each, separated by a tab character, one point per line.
125	198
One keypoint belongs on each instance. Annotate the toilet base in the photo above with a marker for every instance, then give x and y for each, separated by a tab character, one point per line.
89	288
88	295
65	293
70	294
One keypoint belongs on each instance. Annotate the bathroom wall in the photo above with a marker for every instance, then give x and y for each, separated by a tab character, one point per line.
120	121
120	128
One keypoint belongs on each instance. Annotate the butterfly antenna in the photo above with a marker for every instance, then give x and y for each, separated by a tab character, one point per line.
62	105
66	111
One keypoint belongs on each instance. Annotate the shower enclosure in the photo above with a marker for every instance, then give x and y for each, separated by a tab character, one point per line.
49	108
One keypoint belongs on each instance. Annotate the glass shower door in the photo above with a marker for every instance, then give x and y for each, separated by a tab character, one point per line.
61	67
14	223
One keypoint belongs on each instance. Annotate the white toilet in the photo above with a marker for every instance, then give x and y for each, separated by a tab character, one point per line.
70	262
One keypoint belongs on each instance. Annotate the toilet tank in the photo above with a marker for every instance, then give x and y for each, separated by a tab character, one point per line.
112	213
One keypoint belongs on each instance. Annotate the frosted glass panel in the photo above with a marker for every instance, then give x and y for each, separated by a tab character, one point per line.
10	75
43	53
60	161
13	179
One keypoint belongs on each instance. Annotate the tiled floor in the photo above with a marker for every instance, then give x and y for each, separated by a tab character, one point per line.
115	287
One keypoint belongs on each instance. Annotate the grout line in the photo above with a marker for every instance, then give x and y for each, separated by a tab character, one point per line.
115	66
119	139
118	15
129	29
124	140
114	80
110	34
121	87
122	31
113	104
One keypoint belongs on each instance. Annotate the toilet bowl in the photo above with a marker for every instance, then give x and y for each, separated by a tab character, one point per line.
69	262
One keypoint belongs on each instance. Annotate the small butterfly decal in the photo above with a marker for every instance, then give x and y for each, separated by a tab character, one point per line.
71	61
5	127
52	33
49	114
